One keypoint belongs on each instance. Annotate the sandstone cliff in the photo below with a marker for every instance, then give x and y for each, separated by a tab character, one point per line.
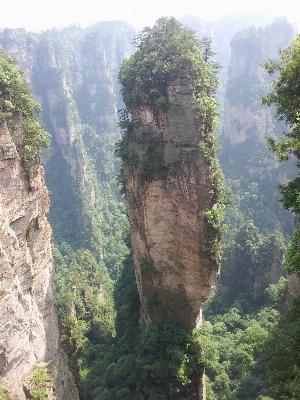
167	201
73	72
252	171
29	334
245	116
171	176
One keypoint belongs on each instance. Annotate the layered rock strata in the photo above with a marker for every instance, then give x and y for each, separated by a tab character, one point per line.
29	332
168	193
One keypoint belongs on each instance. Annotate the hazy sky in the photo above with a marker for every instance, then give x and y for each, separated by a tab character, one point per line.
41	15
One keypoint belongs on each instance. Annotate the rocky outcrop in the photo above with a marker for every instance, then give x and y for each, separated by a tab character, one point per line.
245	116
73	73
252	171
29	332
168	194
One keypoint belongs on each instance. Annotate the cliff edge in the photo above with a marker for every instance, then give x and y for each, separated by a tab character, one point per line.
29	335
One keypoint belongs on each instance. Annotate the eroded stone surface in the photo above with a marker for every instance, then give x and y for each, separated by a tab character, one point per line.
167	214
29	327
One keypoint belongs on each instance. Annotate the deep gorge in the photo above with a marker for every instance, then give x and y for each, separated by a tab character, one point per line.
111	326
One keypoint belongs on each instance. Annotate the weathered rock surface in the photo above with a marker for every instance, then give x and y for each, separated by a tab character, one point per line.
167	211
245	116
73	73
29	331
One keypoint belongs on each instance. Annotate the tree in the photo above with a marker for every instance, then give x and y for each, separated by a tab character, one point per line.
282	348
16	99
286	97
165	52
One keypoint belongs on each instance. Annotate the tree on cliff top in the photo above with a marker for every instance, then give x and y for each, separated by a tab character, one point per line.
16	99
165	52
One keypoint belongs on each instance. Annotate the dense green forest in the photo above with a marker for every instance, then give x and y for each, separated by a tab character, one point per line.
249	342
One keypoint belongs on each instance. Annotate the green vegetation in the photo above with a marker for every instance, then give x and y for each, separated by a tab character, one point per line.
164	53
146	266
3	394
168	359
238	336
247	338
281	355
110	369
83	298
15	100
40	383
282	347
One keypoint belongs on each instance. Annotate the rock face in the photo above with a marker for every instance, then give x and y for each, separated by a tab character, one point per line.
168	194
73	73
245	116
29	327
252	171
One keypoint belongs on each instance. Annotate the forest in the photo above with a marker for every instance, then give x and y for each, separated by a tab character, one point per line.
248	103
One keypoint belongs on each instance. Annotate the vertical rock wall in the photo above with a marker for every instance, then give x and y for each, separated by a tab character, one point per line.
73	73
29	332
167	202
245	116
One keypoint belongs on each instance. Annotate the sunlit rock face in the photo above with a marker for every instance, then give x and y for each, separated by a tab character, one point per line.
29	333
167	201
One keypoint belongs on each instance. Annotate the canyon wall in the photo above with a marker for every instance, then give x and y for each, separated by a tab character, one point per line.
73	72
252	171
29	334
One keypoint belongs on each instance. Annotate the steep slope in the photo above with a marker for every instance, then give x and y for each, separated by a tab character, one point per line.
170	175
249	302
74	76
251	171
29	334
174	188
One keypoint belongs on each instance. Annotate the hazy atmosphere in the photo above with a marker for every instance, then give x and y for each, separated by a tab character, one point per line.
41	15
149	200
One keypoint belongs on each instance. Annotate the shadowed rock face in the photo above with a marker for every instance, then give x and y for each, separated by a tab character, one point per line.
29	332
168	194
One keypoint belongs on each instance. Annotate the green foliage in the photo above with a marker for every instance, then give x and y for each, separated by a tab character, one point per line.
83	299
246	260
16	99
168	357
285	97
111	370
39	382
238	336
161	102
254	193
3	394
282	348
215	216
281	355
291	195
164	53
292	262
